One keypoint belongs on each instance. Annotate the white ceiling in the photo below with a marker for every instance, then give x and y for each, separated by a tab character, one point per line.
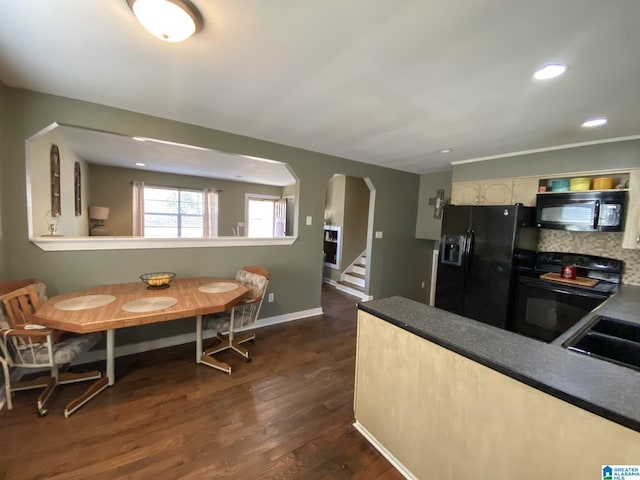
104	148
387	82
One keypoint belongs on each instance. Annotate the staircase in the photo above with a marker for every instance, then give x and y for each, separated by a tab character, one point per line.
353	279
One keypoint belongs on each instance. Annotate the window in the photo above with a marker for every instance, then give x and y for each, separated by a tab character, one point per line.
172	212
265	216
162	212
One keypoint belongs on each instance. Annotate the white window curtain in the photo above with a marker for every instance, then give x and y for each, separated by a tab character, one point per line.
210	213
280	218
138	209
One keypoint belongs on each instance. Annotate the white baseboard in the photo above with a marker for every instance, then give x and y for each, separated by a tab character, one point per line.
361	295
145	346
385	453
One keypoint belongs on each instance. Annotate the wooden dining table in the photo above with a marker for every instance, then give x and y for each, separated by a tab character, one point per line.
111	307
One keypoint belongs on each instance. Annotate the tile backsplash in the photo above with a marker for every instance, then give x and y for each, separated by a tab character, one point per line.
603	244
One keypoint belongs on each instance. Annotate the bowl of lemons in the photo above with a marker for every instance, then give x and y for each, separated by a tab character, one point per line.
157	280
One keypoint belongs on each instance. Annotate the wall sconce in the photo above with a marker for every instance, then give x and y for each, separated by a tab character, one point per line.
97	217
168	20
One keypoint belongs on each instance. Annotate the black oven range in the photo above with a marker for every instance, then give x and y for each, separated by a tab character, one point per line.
547	305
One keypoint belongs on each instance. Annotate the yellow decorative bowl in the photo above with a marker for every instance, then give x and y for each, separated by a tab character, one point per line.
579	183
156	280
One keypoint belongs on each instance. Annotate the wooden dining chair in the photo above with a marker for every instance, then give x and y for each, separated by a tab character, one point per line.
6	287
27	345
244	313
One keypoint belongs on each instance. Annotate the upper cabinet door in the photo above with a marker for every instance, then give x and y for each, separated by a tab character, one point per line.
465	193
496	192
525	191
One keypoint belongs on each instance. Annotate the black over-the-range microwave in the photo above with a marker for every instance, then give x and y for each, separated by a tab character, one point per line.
586	211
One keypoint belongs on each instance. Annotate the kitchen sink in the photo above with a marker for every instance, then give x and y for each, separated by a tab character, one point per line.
610	339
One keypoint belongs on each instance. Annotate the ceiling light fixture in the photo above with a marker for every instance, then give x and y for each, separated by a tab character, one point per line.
550	71
139	164
446	150
595	122
168	20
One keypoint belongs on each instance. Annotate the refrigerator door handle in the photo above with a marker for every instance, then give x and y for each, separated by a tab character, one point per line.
468	249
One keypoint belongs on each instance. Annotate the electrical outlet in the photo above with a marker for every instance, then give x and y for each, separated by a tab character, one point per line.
422	284
271	297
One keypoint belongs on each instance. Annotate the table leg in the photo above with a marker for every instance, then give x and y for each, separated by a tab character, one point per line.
111	371
198	338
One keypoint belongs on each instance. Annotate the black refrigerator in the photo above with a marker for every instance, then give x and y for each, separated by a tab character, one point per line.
476	265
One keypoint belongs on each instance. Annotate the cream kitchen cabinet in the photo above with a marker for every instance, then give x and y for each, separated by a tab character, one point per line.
631	237
493	192
465	193
524	191
503	191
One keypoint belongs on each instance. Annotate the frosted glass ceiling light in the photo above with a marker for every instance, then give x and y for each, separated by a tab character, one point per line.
168	20
550	71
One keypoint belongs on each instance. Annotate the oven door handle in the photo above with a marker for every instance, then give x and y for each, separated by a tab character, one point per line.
596	214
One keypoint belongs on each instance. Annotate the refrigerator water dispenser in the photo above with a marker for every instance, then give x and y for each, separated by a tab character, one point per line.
452	249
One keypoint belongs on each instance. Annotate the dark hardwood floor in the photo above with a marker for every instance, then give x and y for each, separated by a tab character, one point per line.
286	415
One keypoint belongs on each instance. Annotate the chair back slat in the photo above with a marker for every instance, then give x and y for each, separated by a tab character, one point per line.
20	305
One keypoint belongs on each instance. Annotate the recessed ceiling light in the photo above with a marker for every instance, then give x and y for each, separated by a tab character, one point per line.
141	164
550	71
168	20
446	150
595	122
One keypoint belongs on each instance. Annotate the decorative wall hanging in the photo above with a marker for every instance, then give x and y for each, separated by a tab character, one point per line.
77	188
438	203
55	181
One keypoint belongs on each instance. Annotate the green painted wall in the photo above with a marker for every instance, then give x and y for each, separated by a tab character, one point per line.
356	211
428	227
296	269
3	265
111	187
604	156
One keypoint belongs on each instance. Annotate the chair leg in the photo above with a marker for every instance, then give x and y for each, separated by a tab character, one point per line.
72	377
233	344
45	396
223	344
40	382
217	364
93	390
249	337
7	383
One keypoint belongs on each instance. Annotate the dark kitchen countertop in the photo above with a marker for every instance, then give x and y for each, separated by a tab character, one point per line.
601	387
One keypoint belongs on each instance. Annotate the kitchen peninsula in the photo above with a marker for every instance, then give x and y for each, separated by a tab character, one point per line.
439	393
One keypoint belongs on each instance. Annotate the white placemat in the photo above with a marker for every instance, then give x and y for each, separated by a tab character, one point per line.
217	287
85	302
149	304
